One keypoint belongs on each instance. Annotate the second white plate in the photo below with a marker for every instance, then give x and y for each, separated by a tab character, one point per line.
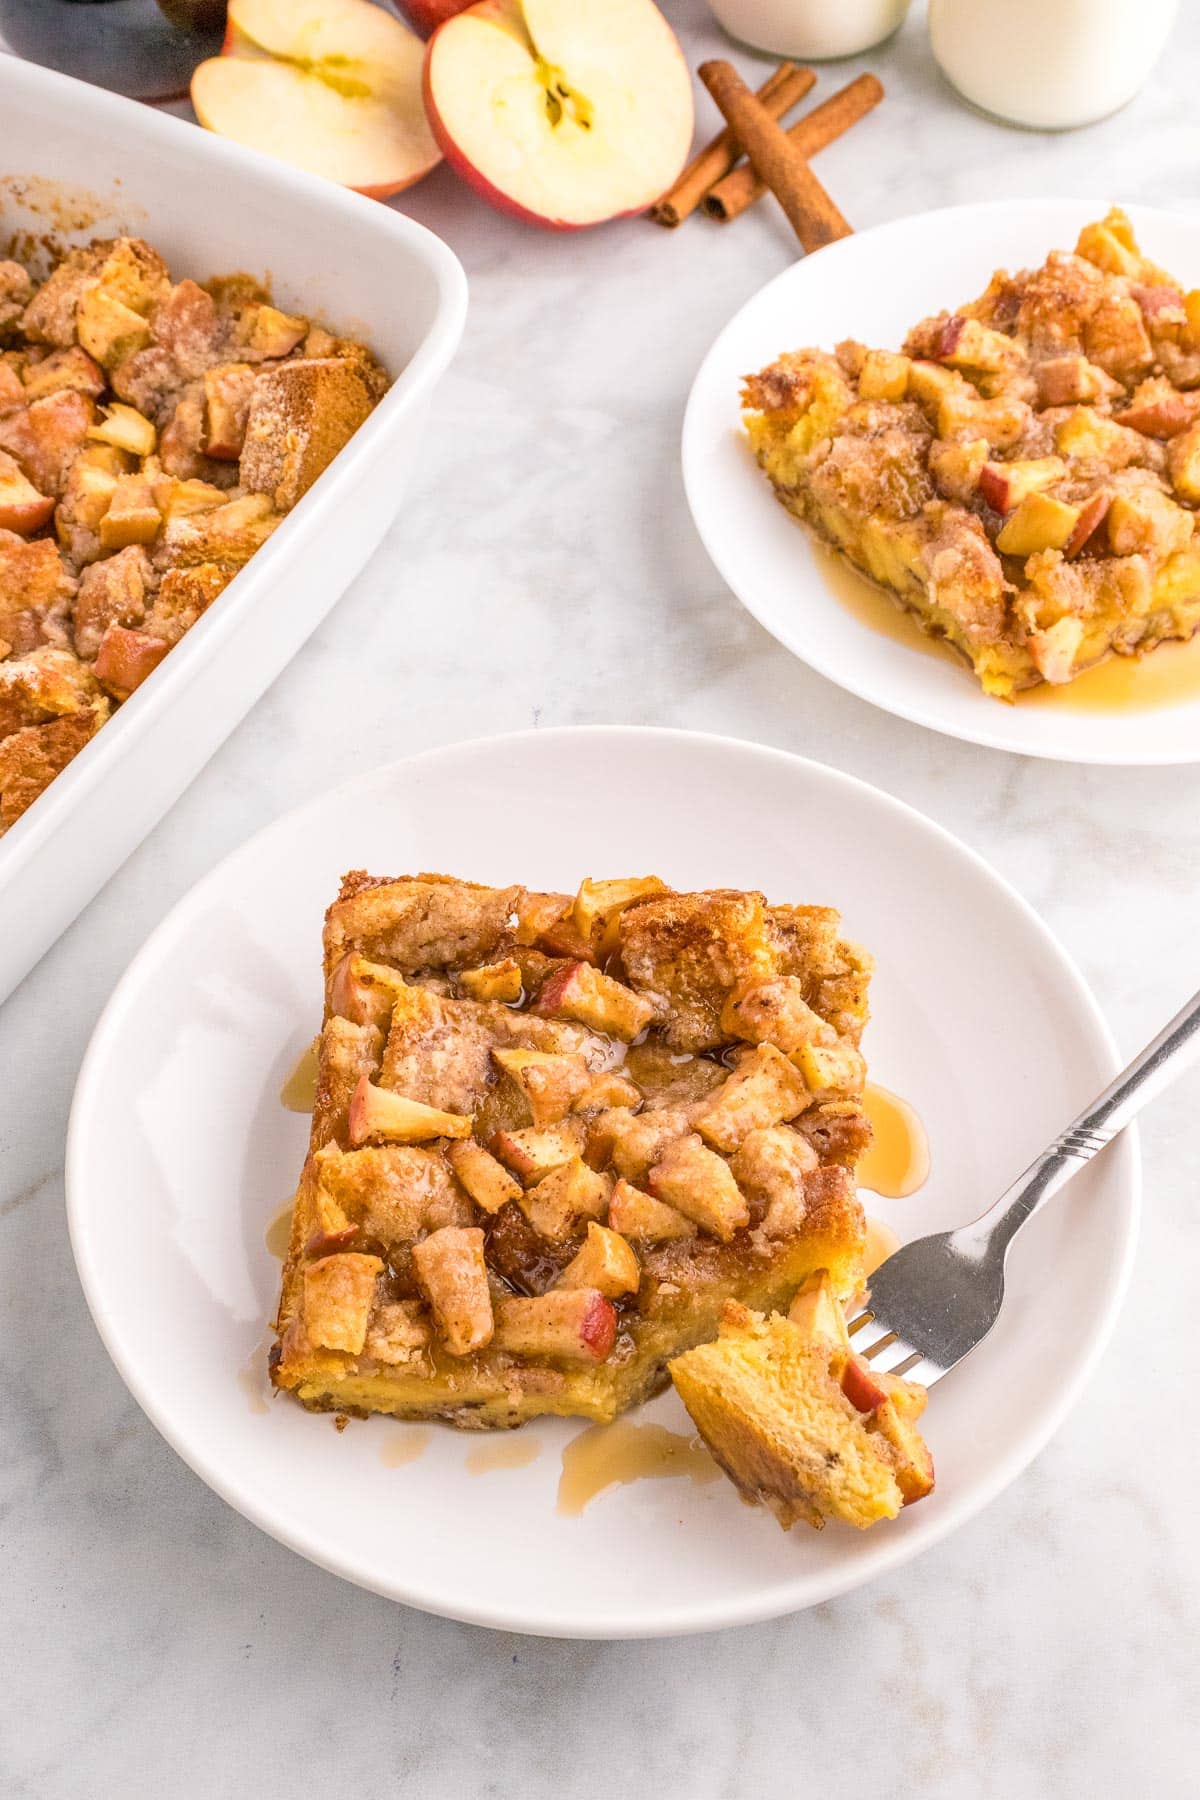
179	1154
873	287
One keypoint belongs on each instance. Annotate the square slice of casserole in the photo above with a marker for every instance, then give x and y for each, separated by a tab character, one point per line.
553	1136
1024	476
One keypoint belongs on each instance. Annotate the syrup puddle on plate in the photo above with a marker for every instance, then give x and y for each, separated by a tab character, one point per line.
515	1452
606	1456
897	1163
299	1091
404	1446
1166	676
278	1234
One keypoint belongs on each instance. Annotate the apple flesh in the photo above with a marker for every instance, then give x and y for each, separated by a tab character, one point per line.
561	112
330	86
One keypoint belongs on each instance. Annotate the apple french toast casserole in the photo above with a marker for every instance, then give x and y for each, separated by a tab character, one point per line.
1024	475
553	1136
152	436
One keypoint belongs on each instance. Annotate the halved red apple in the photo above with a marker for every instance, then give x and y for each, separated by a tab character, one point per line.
564	112
331	86
426	15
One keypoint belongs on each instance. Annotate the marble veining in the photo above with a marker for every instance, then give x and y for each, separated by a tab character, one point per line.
544	571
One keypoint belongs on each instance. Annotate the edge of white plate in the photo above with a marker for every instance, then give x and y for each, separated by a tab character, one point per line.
899	708
681	1621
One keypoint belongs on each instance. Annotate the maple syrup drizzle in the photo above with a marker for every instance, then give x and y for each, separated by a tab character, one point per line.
516	1451
279	1232
405	1446
299	1091
897	1163
1168	675
606	1456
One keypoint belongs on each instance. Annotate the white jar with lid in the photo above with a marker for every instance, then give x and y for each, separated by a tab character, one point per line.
1050	64
810	29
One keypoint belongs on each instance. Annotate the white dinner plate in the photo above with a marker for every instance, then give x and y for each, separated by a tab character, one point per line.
874	286
179	1154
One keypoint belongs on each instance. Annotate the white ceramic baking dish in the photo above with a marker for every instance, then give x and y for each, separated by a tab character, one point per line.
76	162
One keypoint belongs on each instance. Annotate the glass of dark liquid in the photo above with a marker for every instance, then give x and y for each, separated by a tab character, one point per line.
144	48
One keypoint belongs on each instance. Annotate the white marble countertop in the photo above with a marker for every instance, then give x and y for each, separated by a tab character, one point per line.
545	571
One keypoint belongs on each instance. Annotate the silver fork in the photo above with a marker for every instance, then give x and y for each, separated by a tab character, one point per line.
933	1300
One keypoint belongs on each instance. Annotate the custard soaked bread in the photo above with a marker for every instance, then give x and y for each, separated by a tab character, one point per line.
553	1136
1024	476
801	1424
153	434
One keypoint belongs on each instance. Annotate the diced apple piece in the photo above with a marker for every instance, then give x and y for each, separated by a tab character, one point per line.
338	1292
579	991
1005	485
817	1312
832	1071
1054	650
564	114
883	376
572	1191
860	1385
550	1083
125	658
331	86
487	1181
1183	461
639	1216
376	1112
327	1243
914	1463
632	1142
930	384
765	1090
125	429
495	981
1160	305
1145	520
364	992
532	1153
956	467
271	333
1159	410
605	1262
227	389
697	1182
22	508
108	329
965	343
574	1324
597	901
1039	523
1092	515
452	1274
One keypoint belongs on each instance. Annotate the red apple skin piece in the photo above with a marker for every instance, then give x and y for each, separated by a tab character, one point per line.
125	658
860	1386
1093	515
25	516
426	15
327	1243
994	487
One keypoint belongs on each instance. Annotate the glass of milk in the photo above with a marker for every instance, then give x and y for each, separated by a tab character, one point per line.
810	29
1050	64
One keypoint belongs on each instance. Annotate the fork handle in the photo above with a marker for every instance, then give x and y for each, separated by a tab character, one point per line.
1175	1048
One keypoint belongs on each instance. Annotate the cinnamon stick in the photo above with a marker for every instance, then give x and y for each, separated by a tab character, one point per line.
778	94
729	197
811	213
